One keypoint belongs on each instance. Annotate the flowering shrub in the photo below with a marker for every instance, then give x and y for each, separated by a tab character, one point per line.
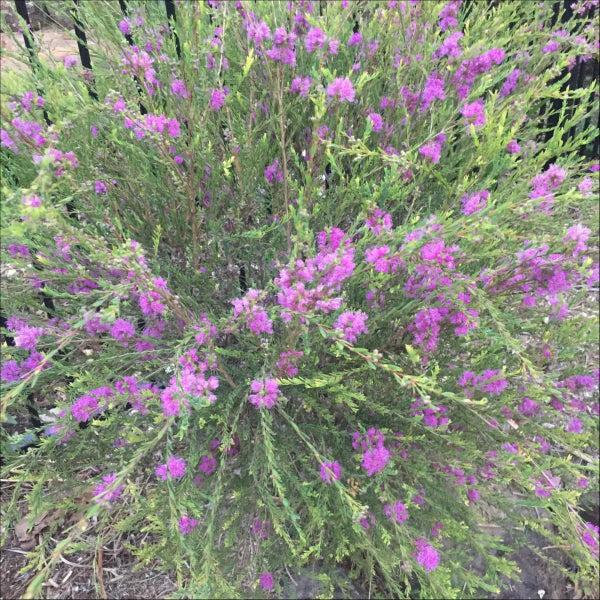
308	271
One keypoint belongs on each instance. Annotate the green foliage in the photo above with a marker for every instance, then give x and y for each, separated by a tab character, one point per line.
148	216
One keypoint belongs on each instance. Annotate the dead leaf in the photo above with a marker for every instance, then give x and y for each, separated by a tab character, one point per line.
21	528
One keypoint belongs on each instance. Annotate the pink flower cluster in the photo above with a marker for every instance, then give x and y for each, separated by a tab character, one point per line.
341	89
300	84
122	330
288	362
149	300
103	494
433	150
192	382
174	468
492	382
283	49
261	529
27	337
315	38
590	539
12	371
152	124
469	69
433	415
273	173
187	525
449	46
433	90
579	234
448	14
92	403
266	581
379	221
474	113
396	513
382	260
376	456
206	330
376	121
331	471
474	202
544	184
266	392
510	83
251	311
427	556
351	325
327	270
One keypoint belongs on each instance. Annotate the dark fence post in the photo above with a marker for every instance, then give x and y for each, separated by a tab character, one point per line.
84	53
34	61
170	8
129	38
576	80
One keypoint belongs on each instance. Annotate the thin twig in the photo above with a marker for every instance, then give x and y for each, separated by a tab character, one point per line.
101	574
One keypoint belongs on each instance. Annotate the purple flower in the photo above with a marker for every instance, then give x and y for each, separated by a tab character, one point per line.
10	371
333	47
261	529
396	513
100	188
590	539
70	61
375	460
273	173
427	556
33	361
102	496
252	311
433	150
258	32
574	426
91	403
124	27
510	83
186	525
122	330
355	39
341	87
551	47
434	89
266	581
449	46
579	234
174	467
7	142
513	147
474	202
330	471
474	113
472	495
528	407
376	120
266	392
315	38
27	337
217	99
300	84
351	325
208	464
178	88
32	201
